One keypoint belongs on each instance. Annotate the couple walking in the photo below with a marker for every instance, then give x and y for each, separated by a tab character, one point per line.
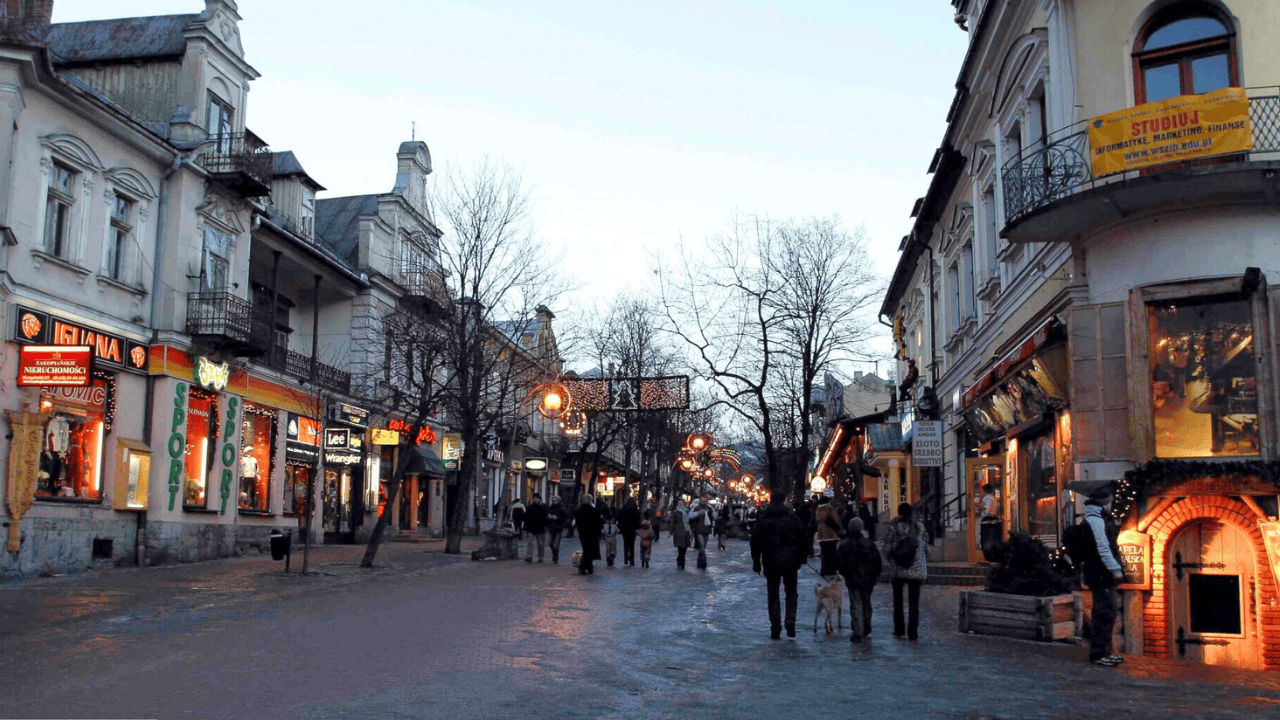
781	544
596	521
692	525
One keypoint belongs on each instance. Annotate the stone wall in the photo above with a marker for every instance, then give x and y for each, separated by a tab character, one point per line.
55	546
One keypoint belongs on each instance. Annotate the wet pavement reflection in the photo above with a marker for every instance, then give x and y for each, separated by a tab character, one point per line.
427	635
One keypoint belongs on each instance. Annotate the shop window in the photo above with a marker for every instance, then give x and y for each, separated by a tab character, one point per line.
71	446
258	437
1203	378
296	478
202	439
1214	603
133	473
1042	489
1185	49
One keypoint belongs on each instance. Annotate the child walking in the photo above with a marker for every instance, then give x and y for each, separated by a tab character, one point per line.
646	535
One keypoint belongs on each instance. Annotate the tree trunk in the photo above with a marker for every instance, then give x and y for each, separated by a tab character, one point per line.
466	475
384	517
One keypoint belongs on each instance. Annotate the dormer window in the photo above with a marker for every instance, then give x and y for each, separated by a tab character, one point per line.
220	122
1185	49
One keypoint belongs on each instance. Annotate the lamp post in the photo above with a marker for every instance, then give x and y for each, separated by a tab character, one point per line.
554	403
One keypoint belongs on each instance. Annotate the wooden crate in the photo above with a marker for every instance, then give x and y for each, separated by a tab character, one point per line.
1021	616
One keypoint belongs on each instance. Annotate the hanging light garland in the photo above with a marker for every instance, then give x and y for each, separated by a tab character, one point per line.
1135	481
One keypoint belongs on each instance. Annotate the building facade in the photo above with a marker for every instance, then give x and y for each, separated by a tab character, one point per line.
1090	309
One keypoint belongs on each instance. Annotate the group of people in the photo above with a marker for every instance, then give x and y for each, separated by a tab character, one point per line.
783	541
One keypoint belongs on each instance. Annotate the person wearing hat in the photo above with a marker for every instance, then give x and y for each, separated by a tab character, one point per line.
1102	572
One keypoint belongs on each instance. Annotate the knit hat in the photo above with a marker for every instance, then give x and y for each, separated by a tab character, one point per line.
1101	493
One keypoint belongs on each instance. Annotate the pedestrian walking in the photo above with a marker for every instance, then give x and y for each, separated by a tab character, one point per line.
858	561
722	526
908	570
647	536
869	520
827	521
535	524
609	532
990	527
587	519
1102	572
805	513
628	523
702	522
517	518
557	521
681	534
779	547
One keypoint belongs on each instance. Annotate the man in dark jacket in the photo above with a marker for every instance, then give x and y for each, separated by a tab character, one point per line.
779	546
535	523
557	521
629	520
1102	572
858	561
589	523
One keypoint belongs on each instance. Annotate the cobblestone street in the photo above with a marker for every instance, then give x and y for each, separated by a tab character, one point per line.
427	635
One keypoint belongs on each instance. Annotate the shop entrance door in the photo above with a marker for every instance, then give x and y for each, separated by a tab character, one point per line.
1209	571
979	472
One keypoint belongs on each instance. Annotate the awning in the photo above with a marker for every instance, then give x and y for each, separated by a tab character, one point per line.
425	462
1023	387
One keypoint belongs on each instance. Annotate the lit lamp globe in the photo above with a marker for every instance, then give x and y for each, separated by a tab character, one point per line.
686	463
818	484
552	401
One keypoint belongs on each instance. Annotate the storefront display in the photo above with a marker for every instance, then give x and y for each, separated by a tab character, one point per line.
257	455
301	454
1041	471
202	438
1204	389
343	458
71	442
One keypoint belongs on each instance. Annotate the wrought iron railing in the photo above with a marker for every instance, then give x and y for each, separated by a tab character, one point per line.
1044	174
241	154
297	365
222	314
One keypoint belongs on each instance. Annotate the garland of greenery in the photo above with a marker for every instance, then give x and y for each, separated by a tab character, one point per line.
1135	481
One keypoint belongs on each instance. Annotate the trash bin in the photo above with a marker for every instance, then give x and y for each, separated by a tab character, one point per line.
280	544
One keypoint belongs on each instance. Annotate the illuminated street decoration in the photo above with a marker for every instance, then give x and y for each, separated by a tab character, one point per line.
630	394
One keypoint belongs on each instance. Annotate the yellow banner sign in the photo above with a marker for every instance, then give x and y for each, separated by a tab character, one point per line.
1173	130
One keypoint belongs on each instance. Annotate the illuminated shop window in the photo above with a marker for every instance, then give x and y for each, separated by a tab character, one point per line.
257	452
295	488
71	445
202	439
1204	387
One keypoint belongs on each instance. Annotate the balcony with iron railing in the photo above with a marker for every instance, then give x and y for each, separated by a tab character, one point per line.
241	162
1050	191
227	322
300	366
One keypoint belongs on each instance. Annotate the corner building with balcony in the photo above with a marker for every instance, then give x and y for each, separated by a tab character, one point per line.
1091	310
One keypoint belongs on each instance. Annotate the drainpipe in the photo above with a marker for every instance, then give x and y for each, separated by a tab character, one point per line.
162	201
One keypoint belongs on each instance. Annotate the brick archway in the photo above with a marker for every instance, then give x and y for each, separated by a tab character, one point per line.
1157	611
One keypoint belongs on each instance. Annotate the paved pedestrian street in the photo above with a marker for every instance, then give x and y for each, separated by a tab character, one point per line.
427	635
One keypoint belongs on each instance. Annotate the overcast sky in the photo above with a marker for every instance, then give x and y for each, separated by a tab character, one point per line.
636	123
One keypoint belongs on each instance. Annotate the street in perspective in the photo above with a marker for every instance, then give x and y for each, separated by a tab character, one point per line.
671	360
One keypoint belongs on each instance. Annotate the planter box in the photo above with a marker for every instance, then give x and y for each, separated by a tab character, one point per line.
1021	616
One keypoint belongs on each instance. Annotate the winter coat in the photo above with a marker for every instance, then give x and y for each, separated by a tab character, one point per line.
1103	558
828	522
646	536
700	519
919	570
557	517
535	518
629	518
858	561
517	515
681	533
589	525
780	542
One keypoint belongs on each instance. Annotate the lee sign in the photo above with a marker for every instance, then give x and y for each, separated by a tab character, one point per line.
926	446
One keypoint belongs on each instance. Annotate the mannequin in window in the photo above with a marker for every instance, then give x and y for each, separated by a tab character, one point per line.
248	478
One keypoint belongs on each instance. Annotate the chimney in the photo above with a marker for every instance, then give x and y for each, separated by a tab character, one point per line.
39	13
857	374
20	17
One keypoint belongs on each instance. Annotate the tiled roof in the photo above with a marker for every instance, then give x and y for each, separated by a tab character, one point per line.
285	164
338	223
120	39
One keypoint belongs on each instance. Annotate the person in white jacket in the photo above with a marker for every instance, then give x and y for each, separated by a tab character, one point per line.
1102	572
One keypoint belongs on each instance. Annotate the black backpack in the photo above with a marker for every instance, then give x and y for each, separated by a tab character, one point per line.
1079	543
903	552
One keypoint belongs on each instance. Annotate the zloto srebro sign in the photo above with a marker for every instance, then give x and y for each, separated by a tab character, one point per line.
1173	130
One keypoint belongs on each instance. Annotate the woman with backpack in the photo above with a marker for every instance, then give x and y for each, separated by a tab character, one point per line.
905	543
858	561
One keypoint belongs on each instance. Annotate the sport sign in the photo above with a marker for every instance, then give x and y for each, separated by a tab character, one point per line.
55	365
926	446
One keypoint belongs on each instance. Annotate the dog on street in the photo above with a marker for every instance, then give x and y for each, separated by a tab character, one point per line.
830	599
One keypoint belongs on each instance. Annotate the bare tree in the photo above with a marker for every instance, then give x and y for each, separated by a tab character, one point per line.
765	311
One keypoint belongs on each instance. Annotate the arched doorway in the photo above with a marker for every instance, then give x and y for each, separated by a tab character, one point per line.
1212	591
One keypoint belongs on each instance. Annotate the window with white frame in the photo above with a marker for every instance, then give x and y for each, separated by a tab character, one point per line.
308	214
953	298
57	214
967	292
989	231
216	266
119	237
220	122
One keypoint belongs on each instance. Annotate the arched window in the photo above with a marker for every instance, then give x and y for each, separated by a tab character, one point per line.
1184	49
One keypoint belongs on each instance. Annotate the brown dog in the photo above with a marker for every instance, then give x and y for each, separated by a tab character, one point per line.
830	599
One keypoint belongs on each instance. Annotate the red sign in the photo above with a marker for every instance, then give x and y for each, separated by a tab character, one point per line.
55	365
41	328
425	435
